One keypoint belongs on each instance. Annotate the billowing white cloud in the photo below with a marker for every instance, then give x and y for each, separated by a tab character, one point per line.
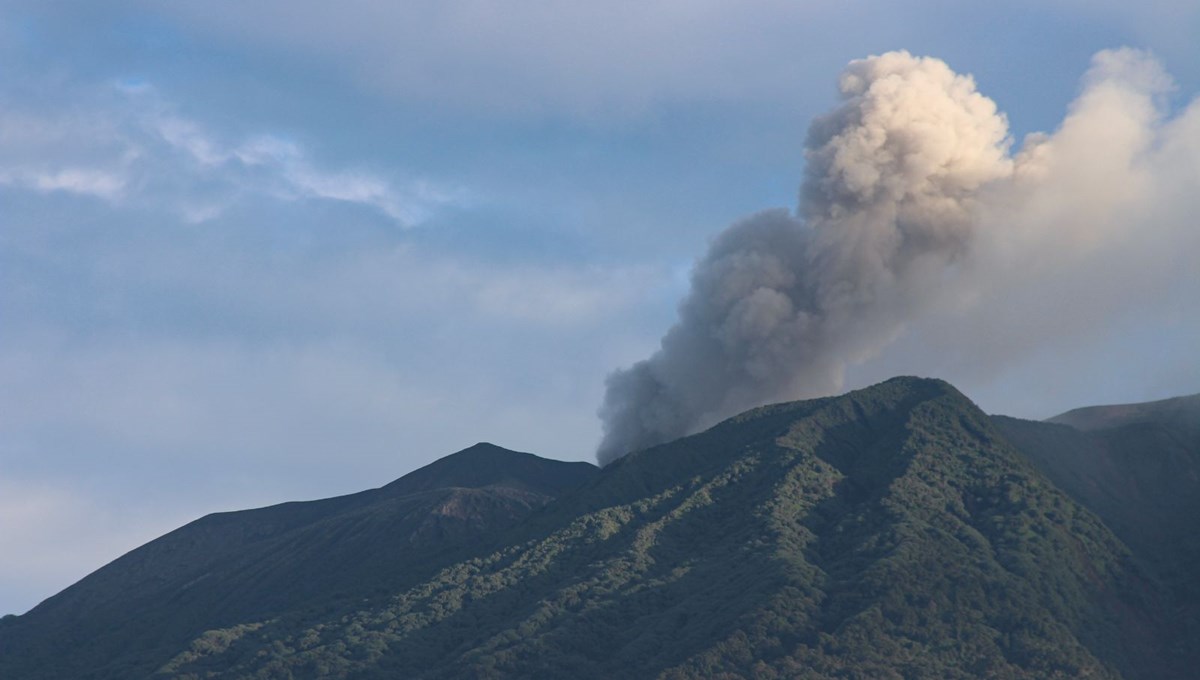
913	212
1092	238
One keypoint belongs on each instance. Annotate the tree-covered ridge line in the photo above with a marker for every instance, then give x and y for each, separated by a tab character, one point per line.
889	533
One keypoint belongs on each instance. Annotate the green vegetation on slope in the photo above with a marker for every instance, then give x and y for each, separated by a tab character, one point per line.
889	533
1138	468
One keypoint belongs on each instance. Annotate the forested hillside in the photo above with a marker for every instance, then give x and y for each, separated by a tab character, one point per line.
893	532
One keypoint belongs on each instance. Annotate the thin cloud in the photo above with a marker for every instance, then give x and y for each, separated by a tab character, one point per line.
132	148
620	59
84	181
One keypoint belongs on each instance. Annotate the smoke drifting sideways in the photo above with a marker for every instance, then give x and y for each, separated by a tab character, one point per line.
913	203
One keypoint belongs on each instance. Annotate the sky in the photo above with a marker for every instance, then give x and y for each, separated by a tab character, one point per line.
272	251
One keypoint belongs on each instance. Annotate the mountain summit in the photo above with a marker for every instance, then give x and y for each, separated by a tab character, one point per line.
892	532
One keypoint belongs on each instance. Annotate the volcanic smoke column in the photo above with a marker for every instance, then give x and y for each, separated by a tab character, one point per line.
782	303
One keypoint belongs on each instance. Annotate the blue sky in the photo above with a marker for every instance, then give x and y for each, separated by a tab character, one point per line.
256	252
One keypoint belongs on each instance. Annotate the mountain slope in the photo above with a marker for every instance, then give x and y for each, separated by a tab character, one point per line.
131	616
888	533
1138	468
1180	413
1141	475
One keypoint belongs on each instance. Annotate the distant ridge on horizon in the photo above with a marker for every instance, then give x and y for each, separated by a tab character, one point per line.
1182	410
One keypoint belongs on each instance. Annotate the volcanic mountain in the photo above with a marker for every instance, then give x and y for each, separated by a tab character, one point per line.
892	532
299	559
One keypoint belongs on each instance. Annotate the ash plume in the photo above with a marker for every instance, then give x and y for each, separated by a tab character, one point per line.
902	179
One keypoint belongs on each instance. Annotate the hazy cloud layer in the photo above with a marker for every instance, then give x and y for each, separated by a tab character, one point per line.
1090	241
911	204
623	58
174	378
124	144
49	532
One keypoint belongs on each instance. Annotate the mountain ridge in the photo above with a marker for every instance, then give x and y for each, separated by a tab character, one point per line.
894	531
252	563
1181	412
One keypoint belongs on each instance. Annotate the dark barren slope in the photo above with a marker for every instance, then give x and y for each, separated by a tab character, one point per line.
893	532
305	559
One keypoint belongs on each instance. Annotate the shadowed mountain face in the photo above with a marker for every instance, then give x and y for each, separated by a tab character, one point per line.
127	618
894	532
1138	467
1181	414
